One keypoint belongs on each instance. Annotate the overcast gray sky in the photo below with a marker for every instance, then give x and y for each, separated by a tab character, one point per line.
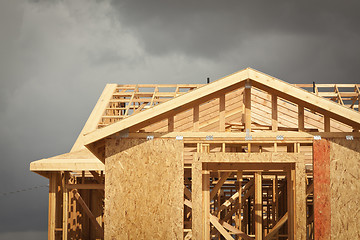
57	56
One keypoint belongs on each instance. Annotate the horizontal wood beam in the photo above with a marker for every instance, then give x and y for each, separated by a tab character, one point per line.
85	186
293	135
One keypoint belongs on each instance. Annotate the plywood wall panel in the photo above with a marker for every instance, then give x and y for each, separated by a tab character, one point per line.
345	188
144	189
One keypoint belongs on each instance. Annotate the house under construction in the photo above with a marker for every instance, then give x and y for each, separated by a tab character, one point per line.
245	157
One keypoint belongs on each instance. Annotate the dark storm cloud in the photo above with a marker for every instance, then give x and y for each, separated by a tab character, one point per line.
209	28
314	36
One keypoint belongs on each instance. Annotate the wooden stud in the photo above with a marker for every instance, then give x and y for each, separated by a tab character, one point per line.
239	189
258	206
247	103
290	203
301	116
196	118
206	203
326	124
274	113
249	147
171	123
52	205
222	113
275	202
65	205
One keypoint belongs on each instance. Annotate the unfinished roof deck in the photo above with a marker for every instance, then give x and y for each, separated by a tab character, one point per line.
247	112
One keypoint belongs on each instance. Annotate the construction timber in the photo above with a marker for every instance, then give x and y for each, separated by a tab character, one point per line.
245	157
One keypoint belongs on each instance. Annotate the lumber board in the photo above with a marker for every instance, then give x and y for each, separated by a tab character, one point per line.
148	178
301	118
258	206
52	205
206	204
65	205
274	112
222	113
214	221
196	175
300	198
237	136
95	116
290	204
247	104
85	186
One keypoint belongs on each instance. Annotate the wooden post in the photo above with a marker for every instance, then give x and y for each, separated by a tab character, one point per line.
222	113
247	103
290	180
171	124
258	206
322	191
274	113
206	204
275	206
326	123
65	205
301	118
239	181
196	118
52	205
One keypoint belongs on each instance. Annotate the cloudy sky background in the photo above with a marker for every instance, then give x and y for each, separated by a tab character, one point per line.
57	56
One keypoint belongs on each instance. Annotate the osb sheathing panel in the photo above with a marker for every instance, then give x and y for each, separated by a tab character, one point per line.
144	189
291	158
345	188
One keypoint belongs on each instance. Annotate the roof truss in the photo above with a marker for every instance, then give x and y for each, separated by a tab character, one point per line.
306	103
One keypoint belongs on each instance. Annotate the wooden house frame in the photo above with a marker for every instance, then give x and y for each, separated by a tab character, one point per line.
245	157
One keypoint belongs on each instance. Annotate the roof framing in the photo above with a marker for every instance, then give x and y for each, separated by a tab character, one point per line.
224	85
